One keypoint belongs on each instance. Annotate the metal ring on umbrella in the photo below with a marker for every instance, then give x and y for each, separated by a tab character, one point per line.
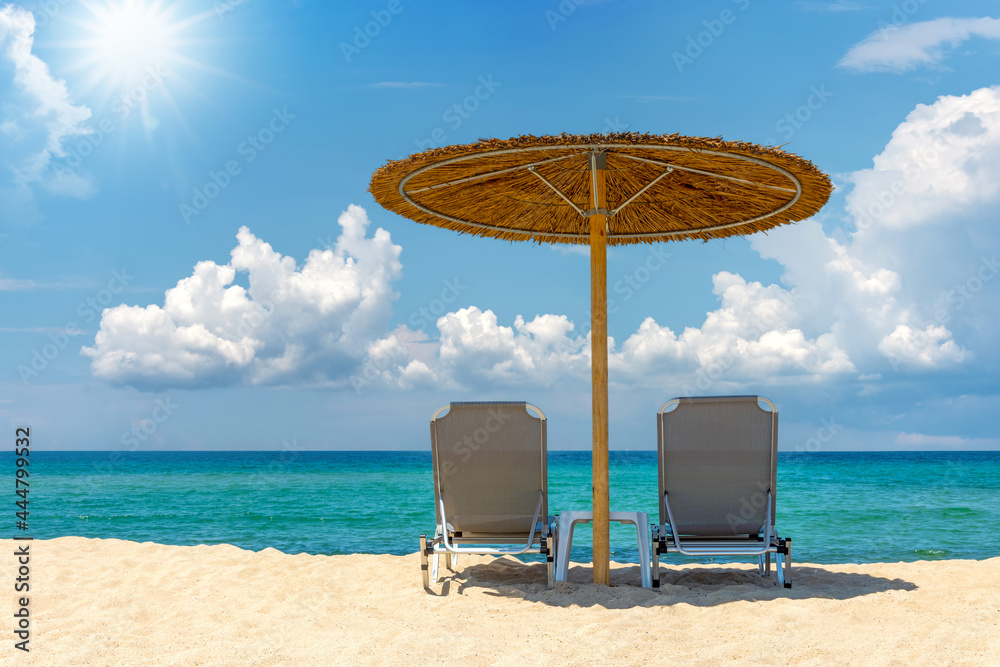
532	167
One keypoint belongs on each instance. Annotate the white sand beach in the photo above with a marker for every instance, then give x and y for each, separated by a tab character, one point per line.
104	602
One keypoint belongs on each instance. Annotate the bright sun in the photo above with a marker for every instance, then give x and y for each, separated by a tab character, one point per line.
131	34
131	58
126	37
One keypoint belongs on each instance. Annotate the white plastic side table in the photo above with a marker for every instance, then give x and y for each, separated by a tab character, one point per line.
568	519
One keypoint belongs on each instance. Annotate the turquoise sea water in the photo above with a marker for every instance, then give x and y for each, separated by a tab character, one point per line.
837	507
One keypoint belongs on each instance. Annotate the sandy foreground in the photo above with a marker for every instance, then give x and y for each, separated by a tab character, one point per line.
112	602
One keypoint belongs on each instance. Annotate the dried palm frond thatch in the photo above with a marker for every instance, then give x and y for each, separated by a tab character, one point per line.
706	188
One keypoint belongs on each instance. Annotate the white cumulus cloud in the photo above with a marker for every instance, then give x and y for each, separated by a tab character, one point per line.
476	350
903	287
311	324
941	163
750	337
753	337
929	347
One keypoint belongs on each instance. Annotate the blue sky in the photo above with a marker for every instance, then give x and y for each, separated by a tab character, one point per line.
190	259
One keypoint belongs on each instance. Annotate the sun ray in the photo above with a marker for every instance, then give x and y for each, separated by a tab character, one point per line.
205	67
182	121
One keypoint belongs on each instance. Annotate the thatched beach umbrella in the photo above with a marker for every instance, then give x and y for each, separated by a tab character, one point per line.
600	190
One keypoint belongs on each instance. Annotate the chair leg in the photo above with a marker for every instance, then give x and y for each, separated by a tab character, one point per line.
554	544
788	563
548	547
656	558
423	561
434	568
642	530
564	546
452	562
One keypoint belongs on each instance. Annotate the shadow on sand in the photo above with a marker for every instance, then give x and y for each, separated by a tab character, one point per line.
698	586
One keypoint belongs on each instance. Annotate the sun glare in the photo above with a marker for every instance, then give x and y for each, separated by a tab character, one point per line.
132	58
132	36
129	37
122	39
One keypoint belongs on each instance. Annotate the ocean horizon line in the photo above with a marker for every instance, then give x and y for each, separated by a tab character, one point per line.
427	451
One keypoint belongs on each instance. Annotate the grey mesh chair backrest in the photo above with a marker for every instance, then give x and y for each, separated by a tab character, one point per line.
717	462
489	466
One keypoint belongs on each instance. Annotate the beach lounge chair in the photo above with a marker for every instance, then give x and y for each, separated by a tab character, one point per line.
490	484
717	472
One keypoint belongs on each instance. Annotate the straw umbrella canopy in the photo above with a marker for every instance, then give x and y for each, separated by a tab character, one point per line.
600	190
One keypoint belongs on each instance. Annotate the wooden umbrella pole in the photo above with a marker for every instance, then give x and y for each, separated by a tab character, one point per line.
599	364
